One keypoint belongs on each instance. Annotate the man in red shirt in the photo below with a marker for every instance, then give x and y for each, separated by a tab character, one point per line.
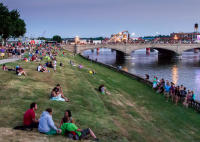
29	117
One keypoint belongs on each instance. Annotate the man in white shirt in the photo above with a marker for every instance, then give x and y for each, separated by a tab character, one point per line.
54	65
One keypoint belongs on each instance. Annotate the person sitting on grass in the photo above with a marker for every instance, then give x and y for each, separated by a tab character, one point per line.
57	94
72	131
20	71
67	118
46	124
49	64
40	68
29	121
102	89
93	72
61	64
33	58
4	68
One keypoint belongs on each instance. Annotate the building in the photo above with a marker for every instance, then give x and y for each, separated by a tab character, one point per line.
191	37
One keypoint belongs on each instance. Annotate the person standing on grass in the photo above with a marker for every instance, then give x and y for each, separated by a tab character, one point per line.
30	120
155	82
2	53
177	94
54	65
46	124
167	91
172	92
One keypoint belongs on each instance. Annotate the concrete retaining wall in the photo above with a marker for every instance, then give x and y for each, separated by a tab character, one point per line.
140	79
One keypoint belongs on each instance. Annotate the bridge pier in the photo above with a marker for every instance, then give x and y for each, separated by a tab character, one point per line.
147	51
196	50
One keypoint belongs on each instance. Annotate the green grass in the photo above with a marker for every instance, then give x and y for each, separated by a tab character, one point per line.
131	112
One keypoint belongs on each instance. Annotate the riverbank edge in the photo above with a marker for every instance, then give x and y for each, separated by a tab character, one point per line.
194	104
133	76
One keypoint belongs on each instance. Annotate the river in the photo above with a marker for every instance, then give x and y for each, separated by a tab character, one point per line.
184	70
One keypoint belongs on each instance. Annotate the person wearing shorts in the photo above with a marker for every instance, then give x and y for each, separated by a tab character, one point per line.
177	94
2	55
167	91
74	132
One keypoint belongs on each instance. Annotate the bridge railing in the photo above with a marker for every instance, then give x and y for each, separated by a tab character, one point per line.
126	44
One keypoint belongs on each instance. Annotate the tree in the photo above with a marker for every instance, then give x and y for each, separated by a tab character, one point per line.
10	23
57	38
42	38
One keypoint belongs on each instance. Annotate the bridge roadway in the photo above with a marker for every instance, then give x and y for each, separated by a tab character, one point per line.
129	48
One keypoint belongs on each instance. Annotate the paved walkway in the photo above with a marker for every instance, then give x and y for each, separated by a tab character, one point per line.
8	60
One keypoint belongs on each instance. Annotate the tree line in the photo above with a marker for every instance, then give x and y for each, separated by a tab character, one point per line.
11	25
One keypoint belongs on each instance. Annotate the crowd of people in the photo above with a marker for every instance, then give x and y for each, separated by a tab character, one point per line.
175	93
67	127
46	125
13	50
18	69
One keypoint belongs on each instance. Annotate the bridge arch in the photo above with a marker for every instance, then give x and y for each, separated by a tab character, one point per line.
189	48
165	51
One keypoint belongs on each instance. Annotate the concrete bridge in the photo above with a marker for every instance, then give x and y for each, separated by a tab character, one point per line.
129	48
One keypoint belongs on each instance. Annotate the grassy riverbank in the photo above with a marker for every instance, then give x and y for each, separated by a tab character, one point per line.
131	112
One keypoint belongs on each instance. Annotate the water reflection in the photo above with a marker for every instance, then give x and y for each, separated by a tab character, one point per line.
175	74
180	71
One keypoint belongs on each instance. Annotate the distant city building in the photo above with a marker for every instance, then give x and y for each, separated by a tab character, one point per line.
185	36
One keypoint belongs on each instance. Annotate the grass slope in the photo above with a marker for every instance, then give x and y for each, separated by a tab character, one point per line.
132	112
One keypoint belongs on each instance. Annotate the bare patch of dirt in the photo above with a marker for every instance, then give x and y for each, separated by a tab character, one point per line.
10	135
118	103
144	113
123	131
120	100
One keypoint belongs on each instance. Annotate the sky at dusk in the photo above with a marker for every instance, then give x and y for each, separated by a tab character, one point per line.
92	18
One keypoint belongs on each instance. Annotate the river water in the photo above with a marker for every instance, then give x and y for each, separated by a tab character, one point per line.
184	70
